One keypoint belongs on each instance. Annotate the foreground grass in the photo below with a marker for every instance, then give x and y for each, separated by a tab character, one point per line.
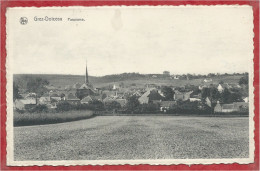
134	137
26	119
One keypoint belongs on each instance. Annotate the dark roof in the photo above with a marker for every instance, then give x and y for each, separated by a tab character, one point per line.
154	95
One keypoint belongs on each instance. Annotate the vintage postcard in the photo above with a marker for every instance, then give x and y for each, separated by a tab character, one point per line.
110	85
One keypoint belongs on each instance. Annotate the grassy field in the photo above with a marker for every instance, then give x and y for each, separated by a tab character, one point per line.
134	137
49	118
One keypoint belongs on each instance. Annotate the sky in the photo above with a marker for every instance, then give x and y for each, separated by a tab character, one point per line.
114	40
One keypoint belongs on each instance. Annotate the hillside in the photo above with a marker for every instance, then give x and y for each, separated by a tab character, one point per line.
139	79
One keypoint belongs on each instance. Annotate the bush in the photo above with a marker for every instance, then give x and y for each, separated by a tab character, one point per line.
64	106
188	107
49	118
114	105
81	106
96	105
149	108
39	109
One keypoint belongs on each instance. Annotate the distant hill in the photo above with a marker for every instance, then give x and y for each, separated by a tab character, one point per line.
127	78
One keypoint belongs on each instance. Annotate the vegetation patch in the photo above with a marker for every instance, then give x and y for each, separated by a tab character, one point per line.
26	119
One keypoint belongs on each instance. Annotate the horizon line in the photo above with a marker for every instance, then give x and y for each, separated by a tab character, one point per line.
129	73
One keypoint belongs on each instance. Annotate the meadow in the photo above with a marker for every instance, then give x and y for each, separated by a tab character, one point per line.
22	119
134	137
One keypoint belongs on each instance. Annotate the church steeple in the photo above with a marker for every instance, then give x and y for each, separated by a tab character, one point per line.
86	76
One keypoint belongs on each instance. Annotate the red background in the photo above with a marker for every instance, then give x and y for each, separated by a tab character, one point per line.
235	166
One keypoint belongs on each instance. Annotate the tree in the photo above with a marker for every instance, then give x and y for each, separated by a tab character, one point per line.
104	96
168	93
235	97
96	105
205	93
214	94
64	106
225	97
243	80
37	85
133	104
211	75
113	105
16	94
149	108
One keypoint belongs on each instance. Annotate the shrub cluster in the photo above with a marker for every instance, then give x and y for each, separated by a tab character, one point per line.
64	106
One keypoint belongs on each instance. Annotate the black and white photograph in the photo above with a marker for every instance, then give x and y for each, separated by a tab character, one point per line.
130	85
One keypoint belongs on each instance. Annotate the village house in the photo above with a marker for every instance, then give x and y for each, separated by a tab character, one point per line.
25	104
182	96
86	89
149	96
109	93
108	99
76	86
121	101
220	88
194	99
208	102
202	86
72	99
233	107
246	99
137	93
55	97
45	99
30	96
241	106
86	100
89	98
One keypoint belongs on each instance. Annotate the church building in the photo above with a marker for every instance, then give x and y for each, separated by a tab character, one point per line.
85	89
